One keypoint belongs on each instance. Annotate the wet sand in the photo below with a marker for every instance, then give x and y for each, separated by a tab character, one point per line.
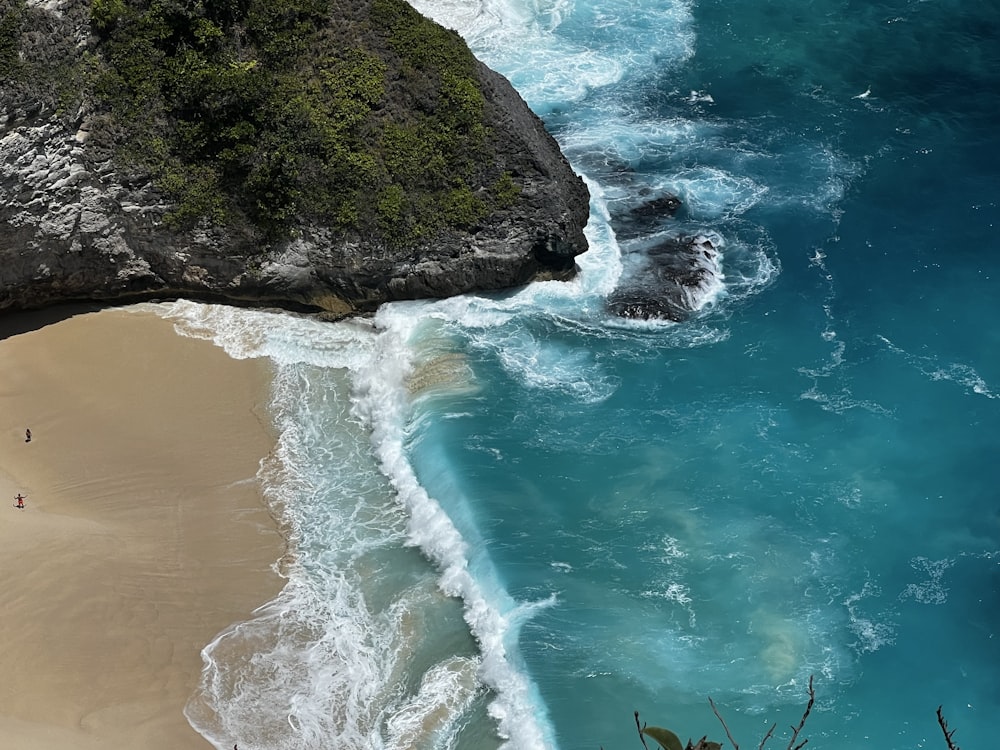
143	534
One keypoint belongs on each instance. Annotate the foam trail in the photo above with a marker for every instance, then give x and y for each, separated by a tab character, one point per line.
932	368
283	337
446	691
322	663
382	402
320	638
710	193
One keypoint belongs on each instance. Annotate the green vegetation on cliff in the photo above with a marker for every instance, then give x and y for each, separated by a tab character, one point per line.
41	70
10	32
367	118
360	115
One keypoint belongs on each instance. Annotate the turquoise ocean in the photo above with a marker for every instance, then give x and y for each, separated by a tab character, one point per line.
516	519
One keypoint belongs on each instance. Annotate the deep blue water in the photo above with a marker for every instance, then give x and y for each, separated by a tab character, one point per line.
521	519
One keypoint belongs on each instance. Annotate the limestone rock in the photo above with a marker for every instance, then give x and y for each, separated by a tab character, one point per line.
75	226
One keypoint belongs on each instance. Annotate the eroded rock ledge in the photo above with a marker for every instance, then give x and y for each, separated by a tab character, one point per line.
74	226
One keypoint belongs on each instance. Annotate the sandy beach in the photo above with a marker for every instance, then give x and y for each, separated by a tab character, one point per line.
143	533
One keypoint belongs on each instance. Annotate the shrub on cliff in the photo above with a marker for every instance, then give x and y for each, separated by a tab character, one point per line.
10	32
365	117
41	70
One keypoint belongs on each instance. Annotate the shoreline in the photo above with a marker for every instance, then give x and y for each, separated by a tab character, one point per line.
144	532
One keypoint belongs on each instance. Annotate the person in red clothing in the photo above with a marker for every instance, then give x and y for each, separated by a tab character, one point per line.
20	500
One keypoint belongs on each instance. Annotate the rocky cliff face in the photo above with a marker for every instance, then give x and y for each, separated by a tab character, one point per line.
75	225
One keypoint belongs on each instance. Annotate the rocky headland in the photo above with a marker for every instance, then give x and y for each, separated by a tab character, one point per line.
341	163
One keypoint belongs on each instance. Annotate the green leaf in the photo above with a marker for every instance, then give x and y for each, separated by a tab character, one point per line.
667	739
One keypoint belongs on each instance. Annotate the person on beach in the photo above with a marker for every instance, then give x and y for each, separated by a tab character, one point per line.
20	500
27	435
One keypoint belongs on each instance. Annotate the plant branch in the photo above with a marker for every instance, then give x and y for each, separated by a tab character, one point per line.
723	722
802	722
639	727
767	736
944	728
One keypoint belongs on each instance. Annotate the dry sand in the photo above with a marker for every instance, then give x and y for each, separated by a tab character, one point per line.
144	532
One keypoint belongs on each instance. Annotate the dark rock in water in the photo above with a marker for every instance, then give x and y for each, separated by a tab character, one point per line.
671	283
647	217
637	303
78	223
664	205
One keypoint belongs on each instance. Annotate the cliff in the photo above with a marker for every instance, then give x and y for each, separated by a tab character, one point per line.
310	154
